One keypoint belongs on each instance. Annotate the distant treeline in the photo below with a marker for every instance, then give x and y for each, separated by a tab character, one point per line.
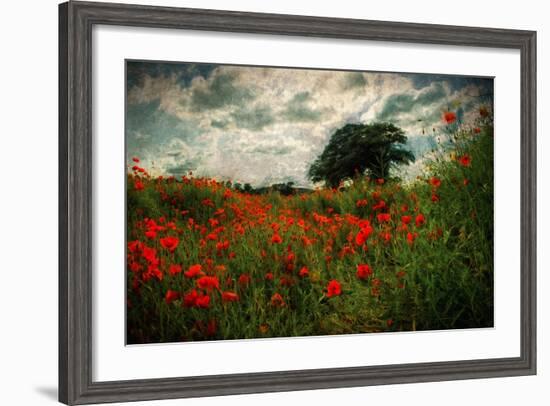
286	189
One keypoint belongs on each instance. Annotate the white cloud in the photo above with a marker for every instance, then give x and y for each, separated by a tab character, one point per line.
266	125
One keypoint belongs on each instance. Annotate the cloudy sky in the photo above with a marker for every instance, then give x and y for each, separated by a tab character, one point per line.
267	125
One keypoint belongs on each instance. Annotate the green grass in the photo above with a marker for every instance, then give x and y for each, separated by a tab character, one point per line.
442	280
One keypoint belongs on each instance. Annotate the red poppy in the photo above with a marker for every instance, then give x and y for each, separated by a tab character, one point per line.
477	130
202	301
133	246
361	203
465	160
276	239
170	243
150	254
138	185
153	272
420	220
383	217
208	282
406	219
380	181
171	295
380	205
303	272
436	182
212	237
435	198
449	117
153	226
227	194
194	270
135	159
135	267
150	234
290	256
360	238
363	271
307	241
244	279
411	237
364	233
174	269
189	299
230	297
334	288
277	300
211	328
208	202
221	246
269	276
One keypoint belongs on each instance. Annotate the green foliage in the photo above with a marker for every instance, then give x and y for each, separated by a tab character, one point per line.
361	148
286	189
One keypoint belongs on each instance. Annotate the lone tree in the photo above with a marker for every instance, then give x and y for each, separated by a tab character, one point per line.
361	149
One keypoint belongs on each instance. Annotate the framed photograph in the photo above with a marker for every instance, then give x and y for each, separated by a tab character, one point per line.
258	203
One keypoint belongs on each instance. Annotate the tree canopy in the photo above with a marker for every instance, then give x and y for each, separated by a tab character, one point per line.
371	149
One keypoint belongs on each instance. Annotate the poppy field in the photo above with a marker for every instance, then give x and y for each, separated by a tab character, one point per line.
209	261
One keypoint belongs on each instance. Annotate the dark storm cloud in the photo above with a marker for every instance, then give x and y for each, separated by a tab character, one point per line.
149	128
219	123
137	71
220	92
270	150
254	119
149	119
397	103
297	109
404	103
354	80
455	82
432	95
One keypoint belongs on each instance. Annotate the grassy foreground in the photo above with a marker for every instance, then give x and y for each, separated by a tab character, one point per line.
207	262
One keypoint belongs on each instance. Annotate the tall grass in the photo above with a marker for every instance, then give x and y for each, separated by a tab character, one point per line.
432	271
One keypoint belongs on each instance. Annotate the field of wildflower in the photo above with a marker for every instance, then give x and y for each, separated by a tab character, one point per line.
206	261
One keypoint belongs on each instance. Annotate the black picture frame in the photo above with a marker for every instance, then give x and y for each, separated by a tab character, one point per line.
76	20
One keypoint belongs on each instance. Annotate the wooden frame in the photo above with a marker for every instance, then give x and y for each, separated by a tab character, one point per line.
76	20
